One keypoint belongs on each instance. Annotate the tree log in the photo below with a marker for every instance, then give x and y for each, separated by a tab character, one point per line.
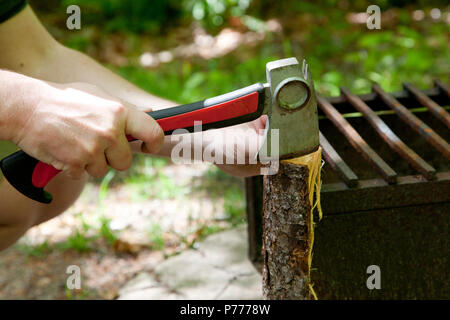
288	230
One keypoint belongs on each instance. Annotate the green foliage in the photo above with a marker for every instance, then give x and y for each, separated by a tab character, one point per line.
336	58
208	230
213	13
132	16
155	234
159	186
339	53
78	241
153	16
77	294
77	41
38	250
106	232
234	206
185	82
104	186
149	182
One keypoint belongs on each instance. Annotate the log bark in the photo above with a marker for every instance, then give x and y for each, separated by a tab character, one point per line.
287	234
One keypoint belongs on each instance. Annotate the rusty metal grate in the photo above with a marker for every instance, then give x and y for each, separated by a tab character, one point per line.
385	150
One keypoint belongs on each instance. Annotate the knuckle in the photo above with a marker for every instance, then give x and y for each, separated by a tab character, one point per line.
92	150
75	163
118	109
97	169
156	139
110	136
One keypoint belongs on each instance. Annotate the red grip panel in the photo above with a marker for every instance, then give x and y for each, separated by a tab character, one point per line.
130	138
227	110
42	174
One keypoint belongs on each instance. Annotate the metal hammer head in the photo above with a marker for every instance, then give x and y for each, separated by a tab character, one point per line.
292	109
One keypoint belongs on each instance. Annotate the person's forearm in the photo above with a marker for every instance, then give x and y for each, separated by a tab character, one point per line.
66	65
27	48
16	91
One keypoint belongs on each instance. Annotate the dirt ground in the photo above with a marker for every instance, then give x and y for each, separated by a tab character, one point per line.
141	231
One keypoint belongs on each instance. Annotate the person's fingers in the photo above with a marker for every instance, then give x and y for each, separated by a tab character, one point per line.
259	124
143	145
119	155
145	128
97	168
145	109
262	122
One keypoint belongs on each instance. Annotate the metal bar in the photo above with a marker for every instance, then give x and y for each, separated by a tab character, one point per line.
442	86
434	92
389	136
372	99
372	194
357	141
337	163
381	112
418	125
434	108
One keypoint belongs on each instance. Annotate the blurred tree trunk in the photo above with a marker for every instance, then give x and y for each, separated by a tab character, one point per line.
254	197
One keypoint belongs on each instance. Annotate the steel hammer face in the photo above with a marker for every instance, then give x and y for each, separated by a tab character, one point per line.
290	104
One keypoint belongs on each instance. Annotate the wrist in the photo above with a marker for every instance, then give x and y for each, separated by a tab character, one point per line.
19	96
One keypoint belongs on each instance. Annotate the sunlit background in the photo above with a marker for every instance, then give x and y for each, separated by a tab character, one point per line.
188	50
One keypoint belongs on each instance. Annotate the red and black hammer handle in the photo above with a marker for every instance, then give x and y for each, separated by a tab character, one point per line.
30	176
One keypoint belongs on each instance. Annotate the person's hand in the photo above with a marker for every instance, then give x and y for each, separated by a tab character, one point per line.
245	141
78	127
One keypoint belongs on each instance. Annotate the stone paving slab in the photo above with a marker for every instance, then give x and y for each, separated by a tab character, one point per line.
217	269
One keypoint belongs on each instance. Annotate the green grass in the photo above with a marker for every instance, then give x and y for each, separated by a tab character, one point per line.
106	232
155	234
78	241
82	239
38	250
78	294
214	181
234	206
207	230
158	186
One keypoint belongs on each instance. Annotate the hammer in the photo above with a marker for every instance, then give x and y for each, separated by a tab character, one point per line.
287	98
